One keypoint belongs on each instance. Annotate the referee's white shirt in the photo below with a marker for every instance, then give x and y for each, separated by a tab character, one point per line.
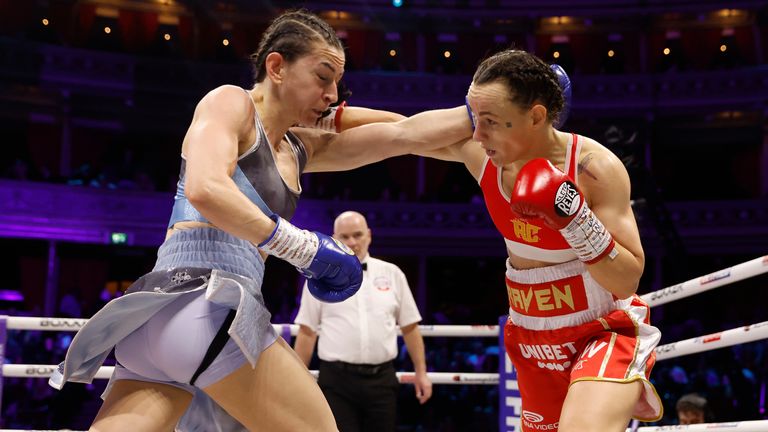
363	328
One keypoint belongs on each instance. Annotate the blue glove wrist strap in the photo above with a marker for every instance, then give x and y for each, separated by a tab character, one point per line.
469	112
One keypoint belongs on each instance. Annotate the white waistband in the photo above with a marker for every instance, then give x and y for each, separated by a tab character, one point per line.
600	301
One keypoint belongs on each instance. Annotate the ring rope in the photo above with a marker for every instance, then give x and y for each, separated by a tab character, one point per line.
713	341
45	371
669	294
75	324
742	426
708	342
698	285
688	288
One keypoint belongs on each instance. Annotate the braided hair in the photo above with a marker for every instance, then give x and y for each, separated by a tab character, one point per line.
528	78
292	34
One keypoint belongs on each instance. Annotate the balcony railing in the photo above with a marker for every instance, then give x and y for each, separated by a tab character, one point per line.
90	215
46	74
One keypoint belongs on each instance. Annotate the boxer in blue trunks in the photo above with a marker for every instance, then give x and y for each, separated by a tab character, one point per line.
197	325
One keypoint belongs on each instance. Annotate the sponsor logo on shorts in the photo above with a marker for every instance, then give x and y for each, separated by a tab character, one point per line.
722	274
567	199
554	366
556	298
532	416
533	420
591	349
552	357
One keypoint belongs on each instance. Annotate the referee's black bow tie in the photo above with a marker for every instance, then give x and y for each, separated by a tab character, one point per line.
364	266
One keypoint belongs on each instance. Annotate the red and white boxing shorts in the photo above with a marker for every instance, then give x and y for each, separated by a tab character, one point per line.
563	328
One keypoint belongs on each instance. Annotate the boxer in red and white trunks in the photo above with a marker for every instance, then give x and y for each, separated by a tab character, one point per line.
579	337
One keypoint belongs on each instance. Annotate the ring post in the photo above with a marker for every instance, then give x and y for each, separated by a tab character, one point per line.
285	332
3	339
510	403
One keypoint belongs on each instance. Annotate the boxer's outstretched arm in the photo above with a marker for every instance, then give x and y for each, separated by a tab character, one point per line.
374	142
358	116
343	117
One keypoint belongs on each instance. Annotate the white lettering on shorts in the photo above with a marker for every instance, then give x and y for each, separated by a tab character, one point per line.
593	348
558	355
534	421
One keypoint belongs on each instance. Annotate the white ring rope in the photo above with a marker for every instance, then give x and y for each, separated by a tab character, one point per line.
45	324
698	285
709	342
459	330
742	426
713	341
45	371
669	294
74	324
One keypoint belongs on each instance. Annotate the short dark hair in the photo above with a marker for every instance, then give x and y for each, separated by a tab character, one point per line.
292	34
692	402
528	79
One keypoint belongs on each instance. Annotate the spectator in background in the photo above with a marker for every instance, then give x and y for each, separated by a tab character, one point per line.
691	409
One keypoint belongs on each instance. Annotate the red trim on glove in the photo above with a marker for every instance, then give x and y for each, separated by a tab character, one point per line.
337	118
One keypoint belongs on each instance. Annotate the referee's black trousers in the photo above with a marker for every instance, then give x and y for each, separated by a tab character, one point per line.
363	398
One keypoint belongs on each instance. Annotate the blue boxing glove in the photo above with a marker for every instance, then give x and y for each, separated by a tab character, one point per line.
332	270
335	273
565	86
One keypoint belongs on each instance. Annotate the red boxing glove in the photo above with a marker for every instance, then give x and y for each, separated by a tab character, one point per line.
543	191
331	119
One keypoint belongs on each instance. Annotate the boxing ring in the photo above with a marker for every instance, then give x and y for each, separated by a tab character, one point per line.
509	396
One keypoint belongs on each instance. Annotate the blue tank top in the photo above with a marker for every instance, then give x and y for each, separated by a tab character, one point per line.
256	175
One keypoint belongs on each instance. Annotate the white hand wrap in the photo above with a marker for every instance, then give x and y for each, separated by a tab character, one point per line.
588	237
292	244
